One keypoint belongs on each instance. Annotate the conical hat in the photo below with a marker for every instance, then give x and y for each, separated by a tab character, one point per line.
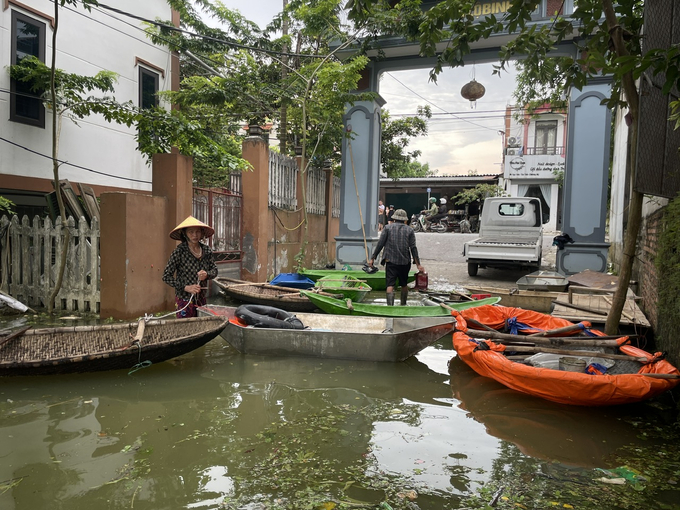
191	222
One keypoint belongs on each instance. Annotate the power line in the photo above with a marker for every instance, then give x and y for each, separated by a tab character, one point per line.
207	37
61	162
433	104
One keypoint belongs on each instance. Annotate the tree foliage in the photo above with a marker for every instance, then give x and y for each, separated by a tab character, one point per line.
395	159
237	74
478	193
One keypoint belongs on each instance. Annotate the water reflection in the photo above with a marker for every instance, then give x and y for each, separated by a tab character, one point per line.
215	424
573	435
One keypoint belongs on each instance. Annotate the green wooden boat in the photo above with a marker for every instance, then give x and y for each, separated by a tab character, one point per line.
346	307
375	280
346	285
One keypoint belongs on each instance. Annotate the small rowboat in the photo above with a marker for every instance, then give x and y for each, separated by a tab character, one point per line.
375	280
536	300
266	294
345	307
634	376
348	286
334	336
104	347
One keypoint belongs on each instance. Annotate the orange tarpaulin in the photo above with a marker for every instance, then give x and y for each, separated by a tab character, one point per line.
559	386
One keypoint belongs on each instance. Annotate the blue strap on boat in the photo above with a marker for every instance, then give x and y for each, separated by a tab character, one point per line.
514	326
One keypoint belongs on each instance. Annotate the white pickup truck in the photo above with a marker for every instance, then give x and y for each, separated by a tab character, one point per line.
510	235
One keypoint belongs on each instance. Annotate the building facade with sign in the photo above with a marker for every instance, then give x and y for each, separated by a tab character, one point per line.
534	158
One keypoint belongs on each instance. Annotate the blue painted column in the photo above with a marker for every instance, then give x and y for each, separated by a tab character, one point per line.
360	184
585	181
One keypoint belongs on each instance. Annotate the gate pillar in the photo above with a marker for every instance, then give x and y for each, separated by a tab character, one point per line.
585	181
358	232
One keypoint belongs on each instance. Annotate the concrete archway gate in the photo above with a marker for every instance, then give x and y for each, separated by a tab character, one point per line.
587	158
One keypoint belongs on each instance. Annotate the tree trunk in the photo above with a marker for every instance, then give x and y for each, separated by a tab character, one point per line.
635	205
55	168
283	124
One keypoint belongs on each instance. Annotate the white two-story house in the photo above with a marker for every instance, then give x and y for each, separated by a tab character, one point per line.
95	152
534	158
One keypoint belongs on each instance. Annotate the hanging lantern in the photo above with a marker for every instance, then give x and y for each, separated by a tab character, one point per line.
472	91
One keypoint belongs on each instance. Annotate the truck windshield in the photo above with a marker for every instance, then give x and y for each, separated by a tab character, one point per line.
511	209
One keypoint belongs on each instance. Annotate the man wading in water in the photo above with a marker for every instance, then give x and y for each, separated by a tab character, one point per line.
399	242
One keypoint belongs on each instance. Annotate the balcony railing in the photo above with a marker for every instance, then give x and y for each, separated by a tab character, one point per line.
544	151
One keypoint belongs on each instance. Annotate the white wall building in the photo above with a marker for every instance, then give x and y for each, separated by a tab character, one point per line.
534	157
98	153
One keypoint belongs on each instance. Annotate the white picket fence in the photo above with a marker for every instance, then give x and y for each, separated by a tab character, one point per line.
316	191
283	175
29	262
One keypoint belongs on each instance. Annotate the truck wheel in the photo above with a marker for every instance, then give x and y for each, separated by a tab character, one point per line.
472	268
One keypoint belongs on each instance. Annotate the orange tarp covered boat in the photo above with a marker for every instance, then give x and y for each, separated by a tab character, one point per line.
654	376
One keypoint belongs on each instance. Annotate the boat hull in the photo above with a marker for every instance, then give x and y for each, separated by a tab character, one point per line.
375	280
339	337
574	388
105	347
340	307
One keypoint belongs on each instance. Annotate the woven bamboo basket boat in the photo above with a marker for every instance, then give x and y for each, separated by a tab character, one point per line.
286	298
104	347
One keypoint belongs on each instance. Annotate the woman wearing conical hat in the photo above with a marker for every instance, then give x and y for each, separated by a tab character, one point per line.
191	264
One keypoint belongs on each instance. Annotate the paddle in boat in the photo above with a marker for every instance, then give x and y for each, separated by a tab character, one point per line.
375	280
346	307
588	368
274	332
286	298
104	347
347	286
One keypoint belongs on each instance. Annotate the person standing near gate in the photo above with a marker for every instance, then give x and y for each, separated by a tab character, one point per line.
190	264
399	241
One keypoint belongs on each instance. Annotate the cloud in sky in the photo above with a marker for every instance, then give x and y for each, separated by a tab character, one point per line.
460	139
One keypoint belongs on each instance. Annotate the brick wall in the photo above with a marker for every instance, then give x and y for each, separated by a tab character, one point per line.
648	282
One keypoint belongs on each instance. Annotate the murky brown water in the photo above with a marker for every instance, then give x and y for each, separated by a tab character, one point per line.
215	426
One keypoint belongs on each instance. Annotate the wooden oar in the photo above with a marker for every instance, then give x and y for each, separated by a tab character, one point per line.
559	331
507	337
462	295
524	348
14	335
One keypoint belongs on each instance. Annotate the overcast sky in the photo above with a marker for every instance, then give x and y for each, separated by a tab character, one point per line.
460	139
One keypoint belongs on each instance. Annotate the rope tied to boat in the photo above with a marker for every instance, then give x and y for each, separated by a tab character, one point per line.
140	364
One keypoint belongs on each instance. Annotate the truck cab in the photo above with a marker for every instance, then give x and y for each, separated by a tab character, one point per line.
510	235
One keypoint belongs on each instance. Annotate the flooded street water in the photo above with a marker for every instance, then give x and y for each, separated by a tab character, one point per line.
216	429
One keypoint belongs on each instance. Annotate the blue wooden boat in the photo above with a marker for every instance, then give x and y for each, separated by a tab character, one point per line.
293	280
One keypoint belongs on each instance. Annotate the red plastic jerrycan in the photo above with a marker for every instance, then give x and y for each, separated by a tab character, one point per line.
421	281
